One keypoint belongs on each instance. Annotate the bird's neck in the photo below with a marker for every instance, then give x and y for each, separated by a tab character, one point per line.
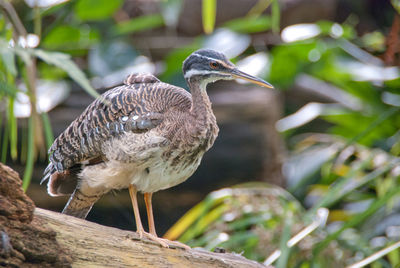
203	129
201	105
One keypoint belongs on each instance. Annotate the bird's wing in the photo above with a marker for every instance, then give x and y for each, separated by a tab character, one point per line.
131	107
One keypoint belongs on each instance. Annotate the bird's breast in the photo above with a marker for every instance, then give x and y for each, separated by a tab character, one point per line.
151	161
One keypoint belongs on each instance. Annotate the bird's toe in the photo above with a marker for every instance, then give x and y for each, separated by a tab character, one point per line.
161	241
177	244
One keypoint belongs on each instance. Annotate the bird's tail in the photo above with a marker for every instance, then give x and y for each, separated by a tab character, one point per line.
80	204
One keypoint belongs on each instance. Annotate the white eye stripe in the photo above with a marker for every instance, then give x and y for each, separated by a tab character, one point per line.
210	59
204	57
190	73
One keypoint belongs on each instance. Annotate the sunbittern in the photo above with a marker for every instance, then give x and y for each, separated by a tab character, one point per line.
145	135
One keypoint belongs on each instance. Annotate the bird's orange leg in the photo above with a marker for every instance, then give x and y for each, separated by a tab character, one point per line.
139	226
149	209
152	229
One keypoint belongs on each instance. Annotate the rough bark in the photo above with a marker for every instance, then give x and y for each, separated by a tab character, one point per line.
22	242
32	237
95	245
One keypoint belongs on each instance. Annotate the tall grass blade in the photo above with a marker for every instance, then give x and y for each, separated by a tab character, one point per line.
24	146
258	8
276	16
357	219
13	130
4	144
387	114
284	248
30	155
209	11
349	184
375	256
48	131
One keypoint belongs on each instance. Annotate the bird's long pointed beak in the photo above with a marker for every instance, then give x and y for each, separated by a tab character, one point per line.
255	80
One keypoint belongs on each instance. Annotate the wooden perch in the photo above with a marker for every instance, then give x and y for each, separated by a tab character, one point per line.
34	237
92	244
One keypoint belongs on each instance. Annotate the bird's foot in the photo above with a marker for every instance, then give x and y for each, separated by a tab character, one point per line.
162	241
176	244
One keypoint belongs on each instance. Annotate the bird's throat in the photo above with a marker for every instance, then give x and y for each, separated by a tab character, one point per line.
201	105
203	128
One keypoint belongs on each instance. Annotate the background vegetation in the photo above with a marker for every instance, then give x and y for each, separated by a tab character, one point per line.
343	154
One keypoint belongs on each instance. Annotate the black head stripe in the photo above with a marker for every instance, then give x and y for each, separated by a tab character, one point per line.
200	59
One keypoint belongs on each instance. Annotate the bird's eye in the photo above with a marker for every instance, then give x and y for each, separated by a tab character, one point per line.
214	65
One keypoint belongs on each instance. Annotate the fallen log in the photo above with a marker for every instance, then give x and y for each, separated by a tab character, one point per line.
34	237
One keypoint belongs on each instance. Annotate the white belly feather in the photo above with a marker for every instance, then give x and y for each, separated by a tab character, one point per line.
150	175
118	175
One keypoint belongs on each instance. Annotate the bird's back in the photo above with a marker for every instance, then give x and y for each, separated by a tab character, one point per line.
143	103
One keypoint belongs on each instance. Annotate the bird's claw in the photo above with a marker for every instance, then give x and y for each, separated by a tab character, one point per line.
153	238
162	241
141	234
177	244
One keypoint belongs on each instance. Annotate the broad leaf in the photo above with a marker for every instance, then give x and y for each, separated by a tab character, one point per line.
96	9
64	62
139	24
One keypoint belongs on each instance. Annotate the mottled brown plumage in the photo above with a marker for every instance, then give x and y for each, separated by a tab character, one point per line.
145	135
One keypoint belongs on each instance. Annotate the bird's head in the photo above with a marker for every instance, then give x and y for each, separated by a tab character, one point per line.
206	65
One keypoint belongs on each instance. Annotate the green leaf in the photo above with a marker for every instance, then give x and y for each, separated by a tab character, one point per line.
173	61
66	37
110	56
356	220
55	8
394	257
259	8
30	155
139	24
396	5
64	62
347	185
96	9
13	130
48	72
285	250
326	28
251	24
4	144
8	58
209	11
8	89
48	132
369	129
288	61
243	240
276	16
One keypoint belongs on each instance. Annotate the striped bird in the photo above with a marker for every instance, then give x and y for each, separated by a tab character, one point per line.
145	135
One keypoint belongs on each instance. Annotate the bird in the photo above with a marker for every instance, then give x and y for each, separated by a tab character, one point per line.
145	135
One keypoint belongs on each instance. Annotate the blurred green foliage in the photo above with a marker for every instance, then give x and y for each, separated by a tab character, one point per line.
93	10
352	169
254	219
